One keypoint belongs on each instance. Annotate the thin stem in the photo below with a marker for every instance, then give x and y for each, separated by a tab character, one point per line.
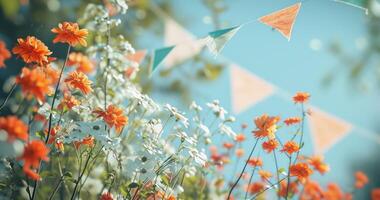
81	175
259	193
8	96
56	188
302	129
249	182
242	171
288	177
277	174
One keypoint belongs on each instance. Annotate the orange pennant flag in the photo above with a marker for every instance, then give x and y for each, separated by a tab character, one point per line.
326	130
247	89
282	20
137	57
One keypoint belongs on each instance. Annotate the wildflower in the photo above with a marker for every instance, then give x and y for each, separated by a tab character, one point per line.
240	137
270	145
301	97
218	111
68	102
4	54
318	164
178	116
239	152
32	50
106	196
68	32
224	129
255	162
282	191
88	141
375	194
51	74
113	116
14	127
292	120
79	81
290	147
82	62
255	187
266	126
53	133
34	84
333	192
34	152
228	145
361	179
265	175
301	170
312	190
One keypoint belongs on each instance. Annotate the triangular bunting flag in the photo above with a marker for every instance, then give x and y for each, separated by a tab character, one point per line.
361	4
186	47
159	55
137	57
326	129
247	89
282	20
216	40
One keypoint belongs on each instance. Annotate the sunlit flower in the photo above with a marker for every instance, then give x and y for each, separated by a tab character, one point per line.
68	102
34	152
255	162
255	187
239	152
301	97
375	194
228	145
333	192
361	179
68	32
14	127
88	141
32	50
106	196
34	84
301	170
79	80
270	145
265	175
312	191
53	133
4	54
318	164
290	147
292	120
240	137
51	74
265	126
282	191
82	62
177	115
113	116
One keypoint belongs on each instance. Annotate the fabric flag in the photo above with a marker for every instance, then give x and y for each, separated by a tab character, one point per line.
186	47
282	20
326	129
137	57
159	55
216	40
361	4
247	89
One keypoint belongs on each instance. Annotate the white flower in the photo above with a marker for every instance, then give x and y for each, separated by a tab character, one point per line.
199	157
194	106
218	111
224	129
177	115
204	129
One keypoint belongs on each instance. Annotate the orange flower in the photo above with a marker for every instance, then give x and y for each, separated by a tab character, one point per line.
255	187
15	128
53	133
312	191
361	179
333	192
228	145
240	137
318	164
266	126
68	32
301	170
292	120
32	50
290	147
255	162
239	152
270	145
34	84
88	141
113	116
106	196
4	54
68	102
79	81
375	194
301	97
82	62
50	73
34	152
265	175
282	191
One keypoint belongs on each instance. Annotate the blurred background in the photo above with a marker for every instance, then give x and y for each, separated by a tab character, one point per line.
333	55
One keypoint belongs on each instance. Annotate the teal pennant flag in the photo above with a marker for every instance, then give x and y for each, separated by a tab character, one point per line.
159	55
218	39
